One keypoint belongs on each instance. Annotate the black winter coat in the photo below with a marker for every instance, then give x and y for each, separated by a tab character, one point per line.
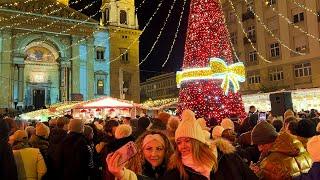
8	168
75	157
56	138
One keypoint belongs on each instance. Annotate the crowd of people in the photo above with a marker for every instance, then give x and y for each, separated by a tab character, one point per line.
167	147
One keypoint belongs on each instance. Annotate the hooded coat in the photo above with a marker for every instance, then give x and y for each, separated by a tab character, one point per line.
8	169
287	158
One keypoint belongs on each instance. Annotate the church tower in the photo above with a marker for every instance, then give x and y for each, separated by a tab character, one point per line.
120	18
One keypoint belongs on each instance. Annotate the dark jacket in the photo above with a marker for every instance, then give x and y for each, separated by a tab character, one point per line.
56	138
313	174
75	157
8	169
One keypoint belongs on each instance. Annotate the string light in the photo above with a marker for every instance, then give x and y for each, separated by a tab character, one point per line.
176	33
64	31
207	36
160	33
246	34
230	41
293	24
306	8
159	102
135	40
13	4
48	25
270	32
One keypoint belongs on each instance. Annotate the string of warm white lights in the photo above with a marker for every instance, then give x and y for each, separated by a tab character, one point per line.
17	3
159	35
176	34
246	34
229	38
270	32
140	6
50	24
293	24
306	8
135	40
64	31
13	4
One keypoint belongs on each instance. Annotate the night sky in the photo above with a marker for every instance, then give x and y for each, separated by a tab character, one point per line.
152	66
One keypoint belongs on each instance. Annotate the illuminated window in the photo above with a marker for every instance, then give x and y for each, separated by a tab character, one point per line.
252	56
100	87
298	17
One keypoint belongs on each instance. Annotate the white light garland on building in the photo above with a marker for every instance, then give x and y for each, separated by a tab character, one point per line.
176	33
246	34
160	33
270	32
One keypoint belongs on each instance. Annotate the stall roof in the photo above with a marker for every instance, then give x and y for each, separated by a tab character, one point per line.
106	102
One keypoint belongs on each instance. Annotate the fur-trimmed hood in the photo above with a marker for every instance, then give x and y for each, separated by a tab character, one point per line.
224	146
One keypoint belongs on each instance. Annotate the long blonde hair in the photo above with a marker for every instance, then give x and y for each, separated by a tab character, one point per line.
201	153
136	163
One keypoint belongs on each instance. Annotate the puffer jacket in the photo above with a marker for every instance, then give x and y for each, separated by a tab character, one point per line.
286	159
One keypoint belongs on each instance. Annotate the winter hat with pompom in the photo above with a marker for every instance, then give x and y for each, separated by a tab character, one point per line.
189	127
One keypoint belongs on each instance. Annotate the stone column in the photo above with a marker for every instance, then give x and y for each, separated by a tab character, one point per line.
90	68
64	82
75	65
20	84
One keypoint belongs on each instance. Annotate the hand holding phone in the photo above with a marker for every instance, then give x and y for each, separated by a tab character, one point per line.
126	152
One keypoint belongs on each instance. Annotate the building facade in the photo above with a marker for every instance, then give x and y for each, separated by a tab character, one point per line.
159	87
289	69
51	53
120	18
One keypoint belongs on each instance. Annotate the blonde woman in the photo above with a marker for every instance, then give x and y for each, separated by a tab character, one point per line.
154	151
196	159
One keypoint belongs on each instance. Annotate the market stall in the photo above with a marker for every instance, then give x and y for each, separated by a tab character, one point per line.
107	107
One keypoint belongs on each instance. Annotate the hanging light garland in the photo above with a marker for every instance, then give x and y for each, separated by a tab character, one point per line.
135	40
293	24
176	33
13	4
246	34
160	33
306	8
270	32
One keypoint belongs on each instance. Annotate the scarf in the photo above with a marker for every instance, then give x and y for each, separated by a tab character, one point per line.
200	168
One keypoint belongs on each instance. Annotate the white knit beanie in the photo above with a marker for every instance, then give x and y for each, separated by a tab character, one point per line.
313	147
226	123
202	122
217	132
122	131
189	127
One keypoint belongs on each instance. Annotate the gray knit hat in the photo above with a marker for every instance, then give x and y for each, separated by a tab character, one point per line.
263	133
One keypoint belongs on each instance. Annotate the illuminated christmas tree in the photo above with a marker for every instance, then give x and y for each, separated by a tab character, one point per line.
209	79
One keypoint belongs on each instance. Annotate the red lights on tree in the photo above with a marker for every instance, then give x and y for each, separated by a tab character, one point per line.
207	37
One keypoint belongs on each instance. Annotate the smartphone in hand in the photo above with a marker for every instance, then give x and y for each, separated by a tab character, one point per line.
127	151
262	116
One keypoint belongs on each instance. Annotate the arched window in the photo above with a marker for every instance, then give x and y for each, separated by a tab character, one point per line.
123	17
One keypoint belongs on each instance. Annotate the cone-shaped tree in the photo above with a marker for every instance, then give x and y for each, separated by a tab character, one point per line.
208	37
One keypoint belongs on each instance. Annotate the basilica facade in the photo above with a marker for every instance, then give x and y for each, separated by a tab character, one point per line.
51	53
